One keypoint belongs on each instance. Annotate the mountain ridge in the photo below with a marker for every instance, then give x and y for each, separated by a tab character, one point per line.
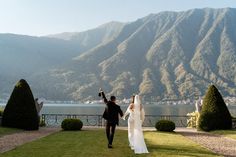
169	55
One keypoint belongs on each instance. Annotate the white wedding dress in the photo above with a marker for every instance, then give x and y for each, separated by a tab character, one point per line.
135	132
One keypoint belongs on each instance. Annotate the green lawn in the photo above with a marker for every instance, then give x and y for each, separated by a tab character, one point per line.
172	144
93	143
5	131
227	133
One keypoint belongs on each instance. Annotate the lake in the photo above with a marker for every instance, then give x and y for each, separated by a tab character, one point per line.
176	113
92	109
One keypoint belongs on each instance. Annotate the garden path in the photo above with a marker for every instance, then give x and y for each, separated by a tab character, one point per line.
217	143
9	142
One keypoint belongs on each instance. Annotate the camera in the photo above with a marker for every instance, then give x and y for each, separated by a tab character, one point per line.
100	94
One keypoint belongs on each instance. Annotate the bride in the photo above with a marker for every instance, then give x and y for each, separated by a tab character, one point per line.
135	120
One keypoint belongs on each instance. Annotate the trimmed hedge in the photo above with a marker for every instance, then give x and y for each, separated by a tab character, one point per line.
1	112
20	111
233	123
71	124
165	125
214	114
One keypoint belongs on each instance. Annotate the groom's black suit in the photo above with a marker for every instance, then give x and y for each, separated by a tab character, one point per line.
111	114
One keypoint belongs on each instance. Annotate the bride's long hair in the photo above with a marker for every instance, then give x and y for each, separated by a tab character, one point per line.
132	102
132	98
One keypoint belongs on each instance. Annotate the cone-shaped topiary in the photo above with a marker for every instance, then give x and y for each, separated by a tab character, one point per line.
20	111
1	112
214	114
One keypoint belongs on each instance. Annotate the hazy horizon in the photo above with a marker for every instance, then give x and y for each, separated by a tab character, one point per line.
39	18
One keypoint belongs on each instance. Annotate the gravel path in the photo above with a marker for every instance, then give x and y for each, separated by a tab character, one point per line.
11	141
216	143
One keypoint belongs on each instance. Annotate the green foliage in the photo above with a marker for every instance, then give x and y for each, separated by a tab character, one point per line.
7	131
42	123
193	120
165	125
71	124
20	111
234	122
1	112
214	114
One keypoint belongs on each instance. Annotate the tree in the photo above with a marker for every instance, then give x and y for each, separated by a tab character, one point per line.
20	111
214	114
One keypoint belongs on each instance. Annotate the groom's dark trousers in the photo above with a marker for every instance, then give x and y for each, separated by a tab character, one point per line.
110	131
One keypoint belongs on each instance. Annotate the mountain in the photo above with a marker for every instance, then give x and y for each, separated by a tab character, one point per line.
169	55
45	61
93	37
32	58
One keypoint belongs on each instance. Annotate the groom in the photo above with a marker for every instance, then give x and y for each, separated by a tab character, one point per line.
111	115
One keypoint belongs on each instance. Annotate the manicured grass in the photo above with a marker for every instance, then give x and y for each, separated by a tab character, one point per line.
171	144
93	143
5	131
227	133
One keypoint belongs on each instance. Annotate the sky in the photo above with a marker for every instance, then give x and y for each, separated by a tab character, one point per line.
44	17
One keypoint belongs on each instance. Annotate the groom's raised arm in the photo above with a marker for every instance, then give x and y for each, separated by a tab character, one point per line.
104	97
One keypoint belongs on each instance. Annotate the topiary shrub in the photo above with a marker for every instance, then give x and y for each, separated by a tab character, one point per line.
20	111
1	112
165	125
233	122
71	124
214	114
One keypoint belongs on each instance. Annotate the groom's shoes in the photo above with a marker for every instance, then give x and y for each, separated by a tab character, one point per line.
109	146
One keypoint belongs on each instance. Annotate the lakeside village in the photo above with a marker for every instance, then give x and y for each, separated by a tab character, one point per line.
228	100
